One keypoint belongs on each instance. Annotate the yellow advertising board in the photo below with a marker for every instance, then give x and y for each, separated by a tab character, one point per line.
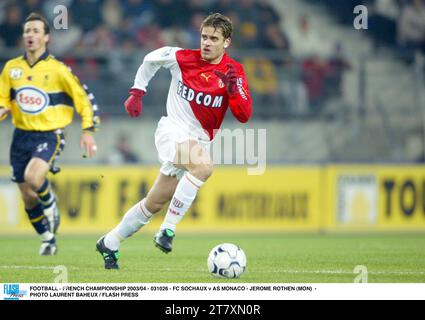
93	199
289	199
375	198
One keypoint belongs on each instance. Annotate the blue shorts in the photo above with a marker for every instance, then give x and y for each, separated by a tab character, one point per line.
26	145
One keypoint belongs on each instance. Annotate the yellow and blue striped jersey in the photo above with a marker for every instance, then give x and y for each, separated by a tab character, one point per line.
42	97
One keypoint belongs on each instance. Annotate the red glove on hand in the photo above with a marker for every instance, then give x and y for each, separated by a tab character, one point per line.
133	104
230	79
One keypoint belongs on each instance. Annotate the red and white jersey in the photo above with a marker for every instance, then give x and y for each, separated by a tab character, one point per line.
197	99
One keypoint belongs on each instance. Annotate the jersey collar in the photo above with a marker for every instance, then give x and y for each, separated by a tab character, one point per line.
44	56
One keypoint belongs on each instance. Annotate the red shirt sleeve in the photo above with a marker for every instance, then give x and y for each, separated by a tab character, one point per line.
241	103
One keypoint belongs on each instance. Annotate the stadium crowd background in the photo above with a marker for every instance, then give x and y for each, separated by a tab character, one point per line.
318	84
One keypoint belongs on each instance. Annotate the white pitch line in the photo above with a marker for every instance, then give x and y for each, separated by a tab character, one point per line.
255	271
344	272
35	267
308	271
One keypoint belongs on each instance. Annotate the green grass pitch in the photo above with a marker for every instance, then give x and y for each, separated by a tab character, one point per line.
272	258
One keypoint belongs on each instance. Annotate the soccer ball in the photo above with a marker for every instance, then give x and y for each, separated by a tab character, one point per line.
227	261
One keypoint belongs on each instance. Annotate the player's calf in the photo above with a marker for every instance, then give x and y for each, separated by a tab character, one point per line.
50	208
41	226
183	198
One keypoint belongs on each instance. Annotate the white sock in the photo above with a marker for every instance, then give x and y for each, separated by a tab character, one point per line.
183	197
133	220
47	236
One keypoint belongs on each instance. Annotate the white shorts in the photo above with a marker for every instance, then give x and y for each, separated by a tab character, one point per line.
167	135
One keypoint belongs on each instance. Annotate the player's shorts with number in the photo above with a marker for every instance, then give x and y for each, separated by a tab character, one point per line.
26	145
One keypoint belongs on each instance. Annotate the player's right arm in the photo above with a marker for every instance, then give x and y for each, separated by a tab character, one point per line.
164	57
4	94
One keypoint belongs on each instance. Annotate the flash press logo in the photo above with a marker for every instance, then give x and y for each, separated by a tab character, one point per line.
12	292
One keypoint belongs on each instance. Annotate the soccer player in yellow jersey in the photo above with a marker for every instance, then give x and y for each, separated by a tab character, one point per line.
41	94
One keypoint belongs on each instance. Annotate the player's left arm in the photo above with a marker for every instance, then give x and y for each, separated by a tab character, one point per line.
4	94
86	107
240	101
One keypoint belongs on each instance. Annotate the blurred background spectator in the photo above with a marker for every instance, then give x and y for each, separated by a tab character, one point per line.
87	13
412	26
382	24
11	28
65	40
122	152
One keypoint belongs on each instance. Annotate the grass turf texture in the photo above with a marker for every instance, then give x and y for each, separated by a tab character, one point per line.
274	258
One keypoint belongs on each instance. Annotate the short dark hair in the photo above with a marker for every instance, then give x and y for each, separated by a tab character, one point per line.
217	20
38	17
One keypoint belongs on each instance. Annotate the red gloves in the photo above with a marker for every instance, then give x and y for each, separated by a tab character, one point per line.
133	104
230	79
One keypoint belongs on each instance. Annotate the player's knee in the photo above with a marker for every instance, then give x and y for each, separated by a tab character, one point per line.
202	171
34	180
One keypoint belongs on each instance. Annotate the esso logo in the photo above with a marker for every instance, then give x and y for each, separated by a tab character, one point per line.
31	100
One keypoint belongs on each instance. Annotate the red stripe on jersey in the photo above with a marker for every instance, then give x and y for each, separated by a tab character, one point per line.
203	90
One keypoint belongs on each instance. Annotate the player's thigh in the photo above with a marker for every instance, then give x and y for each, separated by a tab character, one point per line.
190	154
20	154
161	192
36	172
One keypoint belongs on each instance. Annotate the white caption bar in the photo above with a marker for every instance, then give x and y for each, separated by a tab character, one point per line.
208	291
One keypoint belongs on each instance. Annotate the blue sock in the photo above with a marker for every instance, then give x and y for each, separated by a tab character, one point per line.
40	223
45	195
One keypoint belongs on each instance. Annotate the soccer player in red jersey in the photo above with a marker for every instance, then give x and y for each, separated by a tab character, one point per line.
204	84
